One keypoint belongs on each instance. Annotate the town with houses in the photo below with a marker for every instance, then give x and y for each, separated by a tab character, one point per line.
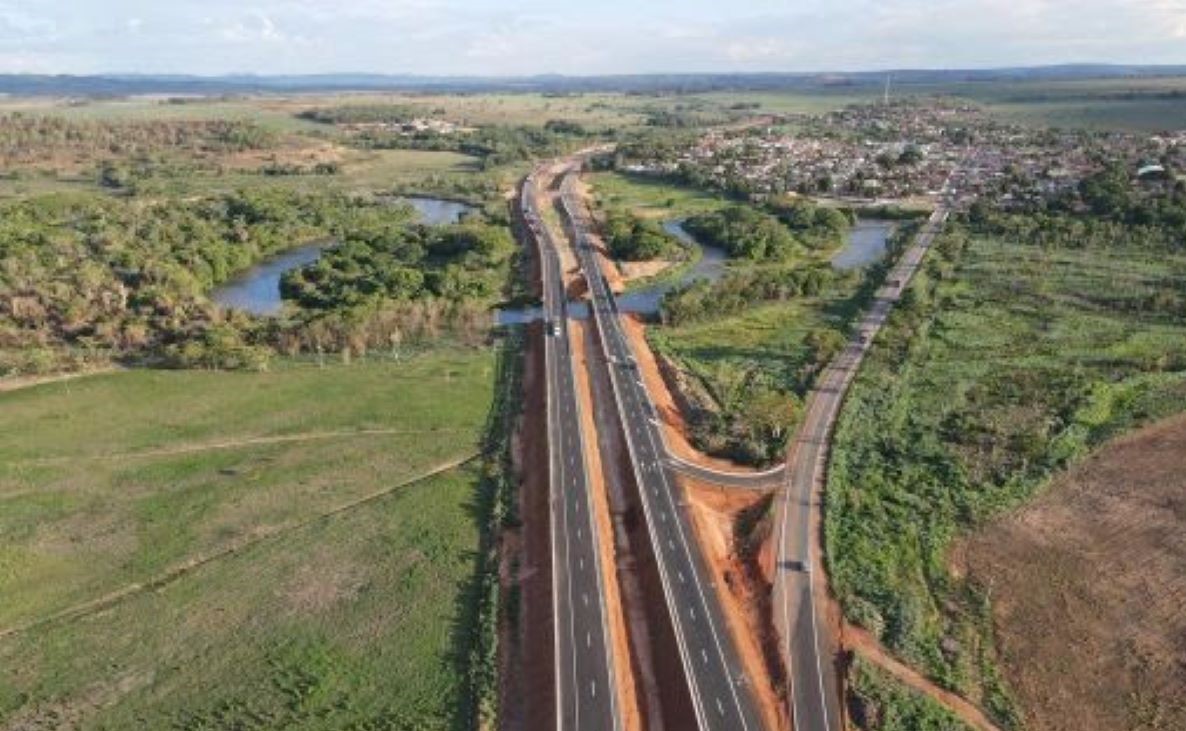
904	151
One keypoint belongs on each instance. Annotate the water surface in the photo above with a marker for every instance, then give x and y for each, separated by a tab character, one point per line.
711	266
866	244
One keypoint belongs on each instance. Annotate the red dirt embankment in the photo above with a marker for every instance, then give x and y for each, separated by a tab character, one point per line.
528	697
745	585
663	395
1088	585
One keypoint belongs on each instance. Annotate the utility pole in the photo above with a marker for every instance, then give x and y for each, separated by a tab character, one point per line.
885	97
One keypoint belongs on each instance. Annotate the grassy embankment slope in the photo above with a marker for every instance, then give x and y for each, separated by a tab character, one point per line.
997	371
295	568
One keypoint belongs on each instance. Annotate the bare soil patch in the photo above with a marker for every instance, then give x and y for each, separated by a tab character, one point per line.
632	270
527	692
744	587
1088	584
16	383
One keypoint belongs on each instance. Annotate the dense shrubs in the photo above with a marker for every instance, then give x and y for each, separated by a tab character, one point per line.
360	114
34	139
632	238
1009	357
700	300
87	275
464	261
745	233
777	233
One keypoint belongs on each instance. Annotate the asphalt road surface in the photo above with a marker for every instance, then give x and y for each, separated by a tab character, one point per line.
586	695
772	478
720	692
808	648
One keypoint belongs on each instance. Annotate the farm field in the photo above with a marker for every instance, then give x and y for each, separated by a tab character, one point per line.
289	549
1030	358
1089	576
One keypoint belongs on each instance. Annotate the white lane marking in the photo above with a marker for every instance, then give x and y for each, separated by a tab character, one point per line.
704	655
720	708
588	639
585	598
682	580
593	688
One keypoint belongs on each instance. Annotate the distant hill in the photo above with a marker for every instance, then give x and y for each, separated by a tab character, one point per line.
130	84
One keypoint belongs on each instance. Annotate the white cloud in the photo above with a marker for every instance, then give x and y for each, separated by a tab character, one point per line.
610	36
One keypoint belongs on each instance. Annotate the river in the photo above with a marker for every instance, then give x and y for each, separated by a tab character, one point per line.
257	290
644	299
866	244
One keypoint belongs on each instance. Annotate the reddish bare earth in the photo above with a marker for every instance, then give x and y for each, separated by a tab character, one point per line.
666	401
745	586
526	657
1088	584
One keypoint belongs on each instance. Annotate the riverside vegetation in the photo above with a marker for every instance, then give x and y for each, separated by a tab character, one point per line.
1025	342
90	278
752	343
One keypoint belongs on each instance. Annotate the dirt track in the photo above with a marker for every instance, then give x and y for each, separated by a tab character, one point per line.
1089	589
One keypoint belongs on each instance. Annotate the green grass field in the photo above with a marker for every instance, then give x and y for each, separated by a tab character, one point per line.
1135	105
765	343
237	550
650	197
273	113
1030	358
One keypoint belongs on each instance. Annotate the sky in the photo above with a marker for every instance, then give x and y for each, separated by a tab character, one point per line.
578	37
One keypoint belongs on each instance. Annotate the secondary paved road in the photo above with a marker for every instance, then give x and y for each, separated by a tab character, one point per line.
809	650
720	692
586	695
765	480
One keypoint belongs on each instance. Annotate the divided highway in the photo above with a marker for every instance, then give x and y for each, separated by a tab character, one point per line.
720	692
807	648
586	694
